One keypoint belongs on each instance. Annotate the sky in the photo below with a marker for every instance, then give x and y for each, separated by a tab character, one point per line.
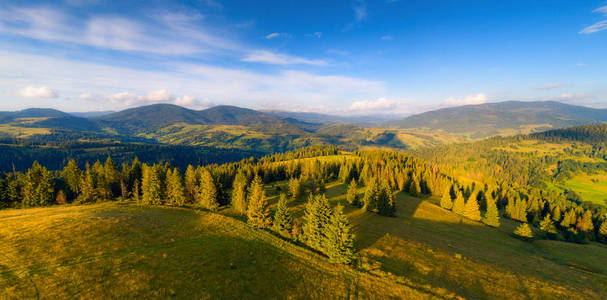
339	57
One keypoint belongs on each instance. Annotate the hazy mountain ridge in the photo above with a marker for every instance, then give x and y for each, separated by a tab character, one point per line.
505	118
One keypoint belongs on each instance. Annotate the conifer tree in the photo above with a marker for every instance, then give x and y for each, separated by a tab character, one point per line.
71	174
87	187
371	194
152	185
38	189
338	243
415	188
175	191
547	226
445	201
492	217
585	222
524	231
258	213
136	191
352	193
294	188
61	198
207	192
603	231
283	222
459	203
239	193
471	210
317	214
385	201
191	183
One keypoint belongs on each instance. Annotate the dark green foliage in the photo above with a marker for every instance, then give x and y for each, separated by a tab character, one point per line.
371	195
152	185
385	201
294	188
317	216
338	242
175	192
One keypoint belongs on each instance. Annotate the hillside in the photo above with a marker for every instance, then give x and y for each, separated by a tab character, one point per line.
312	117
503	118
115	250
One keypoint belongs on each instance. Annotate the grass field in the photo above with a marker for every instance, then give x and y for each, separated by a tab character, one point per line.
591	188
117	250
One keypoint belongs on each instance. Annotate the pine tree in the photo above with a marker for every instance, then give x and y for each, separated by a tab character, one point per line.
547	226
239	193
87	187
385	201
371	193
317	215
258	212
585	222
492	217
415	188
136	191
38	189
294	188
603	231
338	243
71	174
524	231
459	203
207	192
175	192
152	185
446	202
283	222
352	193
471	210
191	183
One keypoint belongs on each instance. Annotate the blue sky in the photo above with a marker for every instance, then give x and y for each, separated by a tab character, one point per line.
340	57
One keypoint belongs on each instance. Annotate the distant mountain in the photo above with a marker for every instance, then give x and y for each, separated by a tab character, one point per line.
503	118
311	117
92	114
47	118
153	117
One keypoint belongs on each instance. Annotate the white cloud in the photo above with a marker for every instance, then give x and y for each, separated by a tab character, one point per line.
387	38
599	26
602	9
468	100
269	57
37	92
85	96
272	35
378	105
221	84
159	96
549	86
360	11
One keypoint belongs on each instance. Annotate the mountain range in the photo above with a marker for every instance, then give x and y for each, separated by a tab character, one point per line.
269	131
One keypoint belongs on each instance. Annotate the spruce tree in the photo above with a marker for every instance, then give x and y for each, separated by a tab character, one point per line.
603	231
87	187
71	174
415	188
175	191
585	222
258	213
239	193
547	226
492	217
294	188
152	185
385	201
338	242
352	193
317	215
191	183
459	204
38	189
283	222
446	202
136	191
371	194
524	231
471	210
207	192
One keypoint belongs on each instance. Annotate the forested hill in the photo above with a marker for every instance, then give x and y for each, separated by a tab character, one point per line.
503	118
585	133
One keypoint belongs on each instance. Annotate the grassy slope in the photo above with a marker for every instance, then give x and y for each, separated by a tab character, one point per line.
113	249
